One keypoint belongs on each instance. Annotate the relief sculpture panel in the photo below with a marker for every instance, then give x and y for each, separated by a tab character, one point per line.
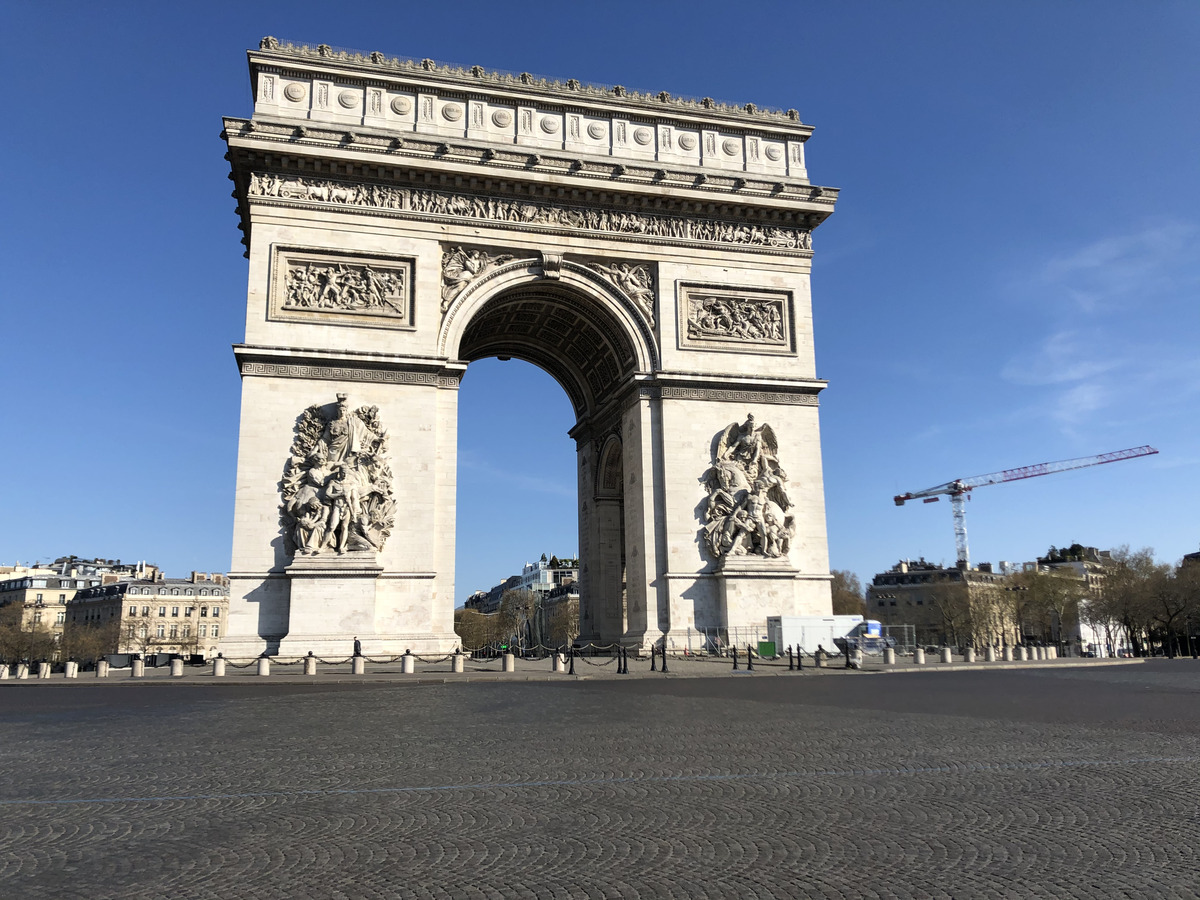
346	290
745	321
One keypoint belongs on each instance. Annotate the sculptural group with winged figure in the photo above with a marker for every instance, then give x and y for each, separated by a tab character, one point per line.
747	495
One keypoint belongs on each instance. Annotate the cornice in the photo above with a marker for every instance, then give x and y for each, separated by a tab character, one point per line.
425	167
376	368
470	157
381	68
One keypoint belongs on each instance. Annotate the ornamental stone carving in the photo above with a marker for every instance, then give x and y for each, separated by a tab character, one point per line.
347	288
747	509
634	280
461	266
530	213
337	485
736	318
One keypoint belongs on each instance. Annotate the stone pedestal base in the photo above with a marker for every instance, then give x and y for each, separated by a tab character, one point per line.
751	588
332	601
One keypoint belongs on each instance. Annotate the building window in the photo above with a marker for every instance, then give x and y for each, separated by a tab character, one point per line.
39	598
175	592
37	618
162	610
216	612
189	611
175	611
60	618
162	631
203	631
216	632
187	592
174	631
204	612
187	630
145	610
133	610
62	598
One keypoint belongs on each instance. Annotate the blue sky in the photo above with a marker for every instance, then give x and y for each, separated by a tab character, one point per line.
1011	276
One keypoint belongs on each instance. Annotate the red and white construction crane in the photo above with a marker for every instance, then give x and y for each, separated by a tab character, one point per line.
959	489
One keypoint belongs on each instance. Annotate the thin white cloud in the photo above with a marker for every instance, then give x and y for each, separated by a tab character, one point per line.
1063	357
1137	266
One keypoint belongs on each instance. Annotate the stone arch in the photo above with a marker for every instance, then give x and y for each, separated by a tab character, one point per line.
576	326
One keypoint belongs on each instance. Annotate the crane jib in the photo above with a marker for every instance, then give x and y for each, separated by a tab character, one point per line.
960	488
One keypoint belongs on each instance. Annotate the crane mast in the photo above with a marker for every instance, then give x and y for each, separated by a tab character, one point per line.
960	489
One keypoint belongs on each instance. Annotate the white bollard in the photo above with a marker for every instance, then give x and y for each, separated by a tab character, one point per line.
969	655
889	656
919	656
219	667
1052	653
43	670
947	655
72	669
1022	654
990	654
1008	654
457	663
264	666
358	665
22	671
408	664
557	665
4	672
177	668
137	668
510	663
310	665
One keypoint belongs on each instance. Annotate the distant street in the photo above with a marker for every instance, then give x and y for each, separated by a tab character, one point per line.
1064	783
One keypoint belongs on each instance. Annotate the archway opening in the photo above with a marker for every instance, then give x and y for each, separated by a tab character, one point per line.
516	496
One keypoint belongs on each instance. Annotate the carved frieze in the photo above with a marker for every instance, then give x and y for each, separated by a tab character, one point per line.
743	320
462	265
337	484
322	286
634	280
526	213
747	509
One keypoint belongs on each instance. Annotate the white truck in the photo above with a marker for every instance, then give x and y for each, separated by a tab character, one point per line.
806	633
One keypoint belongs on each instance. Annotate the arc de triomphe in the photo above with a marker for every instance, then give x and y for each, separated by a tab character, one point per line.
403	218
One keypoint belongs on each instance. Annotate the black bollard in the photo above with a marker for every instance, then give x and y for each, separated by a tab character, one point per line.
791	667
749	659
735	665
664	656
572	671
653	653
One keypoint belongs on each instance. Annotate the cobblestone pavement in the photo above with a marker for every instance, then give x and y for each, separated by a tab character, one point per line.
1054	782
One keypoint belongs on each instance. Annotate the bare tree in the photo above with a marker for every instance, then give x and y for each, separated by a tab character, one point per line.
23	642
848	597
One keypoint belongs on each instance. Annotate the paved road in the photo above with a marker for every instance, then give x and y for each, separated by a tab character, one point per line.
1039	783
